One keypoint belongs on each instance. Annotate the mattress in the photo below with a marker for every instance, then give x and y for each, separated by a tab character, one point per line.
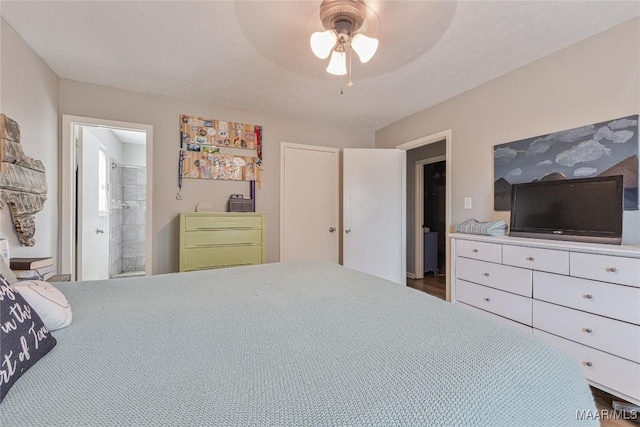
289	344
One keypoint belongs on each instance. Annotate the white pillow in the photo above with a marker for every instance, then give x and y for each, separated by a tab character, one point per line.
7	273
50	304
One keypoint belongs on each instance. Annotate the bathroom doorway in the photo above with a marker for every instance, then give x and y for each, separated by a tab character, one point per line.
105	211
111	186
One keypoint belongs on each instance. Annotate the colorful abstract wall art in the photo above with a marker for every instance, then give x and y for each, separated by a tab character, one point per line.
219	166
201	142
200	134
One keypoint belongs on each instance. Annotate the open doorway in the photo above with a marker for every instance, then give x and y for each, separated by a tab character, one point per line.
106	199
111	202
427	150
427	227
434	179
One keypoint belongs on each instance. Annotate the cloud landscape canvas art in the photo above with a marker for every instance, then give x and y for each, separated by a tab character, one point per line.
602	149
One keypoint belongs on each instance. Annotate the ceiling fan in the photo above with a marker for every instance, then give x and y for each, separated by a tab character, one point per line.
341	20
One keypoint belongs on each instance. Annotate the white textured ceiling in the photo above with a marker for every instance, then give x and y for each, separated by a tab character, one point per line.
254	55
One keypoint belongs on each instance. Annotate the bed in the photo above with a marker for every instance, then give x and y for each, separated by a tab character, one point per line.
289	344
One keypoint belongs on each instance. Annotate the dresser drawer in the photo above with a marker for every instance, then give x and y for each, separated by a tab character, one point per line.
599	367
231	236
204	258
504	320
611	336
479	250
536	259
503	304
606	299
217	222
510	279
625	271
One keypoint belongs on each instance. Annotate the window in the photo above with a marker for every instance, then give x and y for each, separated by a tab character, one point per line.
102	181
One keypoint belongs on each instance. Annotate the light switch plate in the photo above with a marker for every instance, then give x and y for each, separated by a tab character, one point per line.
467	202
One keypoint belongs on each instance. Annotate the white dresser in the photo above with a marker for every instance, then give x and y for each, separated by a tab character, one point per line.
583	298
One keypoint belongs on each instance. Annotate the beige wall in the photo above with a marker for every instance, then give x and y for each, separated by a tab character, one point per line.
163	113
420	153
592	81
30	97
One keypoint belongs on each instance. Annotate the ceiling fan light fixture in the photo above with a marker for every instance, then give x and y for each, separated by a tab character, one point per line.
338	63
364	46
323	42
341	20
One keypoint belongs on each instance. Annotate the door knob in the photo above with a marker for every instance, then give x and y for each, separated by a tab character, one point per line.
348	231
332	229
99	231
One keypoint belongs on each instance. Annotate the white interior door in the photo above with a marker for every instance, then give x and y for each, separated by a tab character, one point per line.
374	191
310	197
93	213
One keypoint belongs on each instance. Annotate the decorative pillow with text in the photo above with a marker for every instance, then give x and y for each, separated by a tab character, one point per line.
25	339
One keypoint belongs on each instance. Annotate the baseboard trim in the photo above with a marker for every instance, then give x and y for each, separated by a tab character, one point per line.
410	275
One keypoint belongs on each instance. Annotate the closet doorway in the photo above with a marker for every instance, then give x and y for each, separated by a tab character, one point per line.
432	174
309	202
434	190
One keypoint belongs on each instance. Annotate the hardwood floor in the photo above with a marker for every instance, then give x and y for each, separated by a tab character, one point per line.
433	284
609	419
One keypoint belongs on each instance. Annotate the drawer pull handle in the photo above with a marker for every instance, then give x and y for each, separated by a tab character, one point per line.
475	251
612	269
219	245
589	364
588	296
487	299
588	330
485	274
530	258
219	228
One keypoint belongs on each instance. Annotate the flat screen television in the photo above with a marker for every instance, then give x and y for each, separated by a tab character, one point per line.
585	210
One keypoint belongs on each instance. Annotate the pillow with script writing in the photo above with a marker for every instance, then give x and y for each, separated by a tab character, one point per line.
25	339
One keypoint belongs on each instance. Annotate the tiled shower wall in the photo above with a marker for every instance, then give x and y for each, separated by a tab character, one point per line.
115	221
128	225
134	195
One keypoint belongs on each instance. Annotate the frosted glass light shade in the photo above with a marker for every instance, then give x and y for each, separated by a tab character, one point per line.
364	46
338	64
322	43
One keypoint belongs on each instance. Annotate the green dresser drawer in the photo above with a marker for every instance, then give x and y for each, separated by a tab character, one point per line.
216	222
231	236
221	239
221	256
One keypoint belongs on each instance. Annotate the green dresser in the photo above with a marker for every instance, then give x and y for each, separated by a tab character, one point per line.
221	239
